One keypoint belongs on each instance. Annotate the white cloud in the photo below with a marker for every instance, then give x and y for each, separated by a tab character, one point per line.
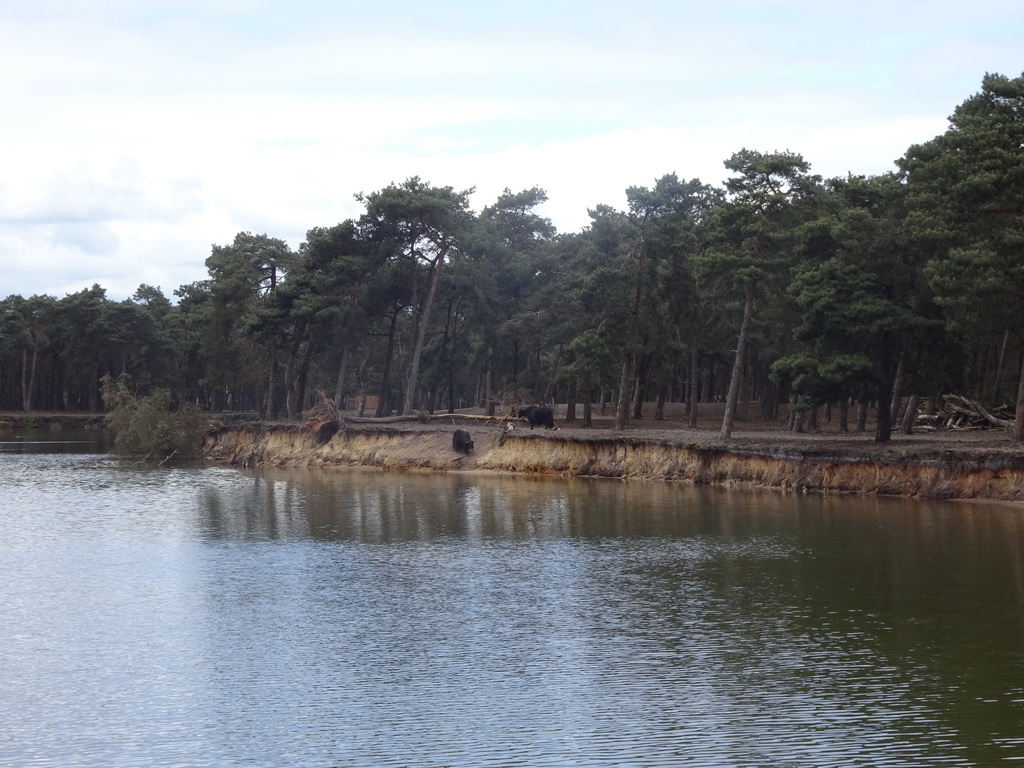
138	135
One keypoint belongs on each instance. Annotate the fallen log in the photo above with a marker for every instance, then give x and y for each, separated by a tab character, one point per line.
422	417
975	410
383	419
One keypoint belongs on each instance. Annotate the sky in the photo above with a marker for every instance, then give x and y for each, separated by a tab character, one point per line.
137	134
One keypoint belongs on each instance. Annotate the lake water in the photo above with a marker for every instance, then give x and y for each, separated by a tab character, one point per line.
205	616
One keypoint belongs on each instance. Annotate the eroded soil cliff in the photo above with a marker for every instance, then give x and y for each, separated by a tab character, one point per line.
924	465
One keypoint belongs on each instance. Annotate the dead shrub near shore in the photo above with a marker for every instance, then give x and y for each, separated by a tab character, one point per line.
324	419
147	427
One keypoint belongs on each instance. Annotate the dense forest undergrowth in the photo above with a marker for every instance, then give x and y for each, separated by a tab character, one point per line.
780	300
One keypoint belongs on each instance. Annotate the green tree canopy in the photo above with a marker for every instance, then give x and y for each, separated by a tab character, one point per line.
422	226
966	205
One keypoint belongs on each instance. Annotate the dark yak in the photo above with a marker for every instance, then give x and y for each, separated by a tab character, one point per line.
462	442
538	416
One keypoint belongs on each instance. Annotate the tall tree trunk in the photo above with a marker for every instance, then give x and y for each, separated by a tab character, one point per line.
844	414
515	362
737	368
28	378
272	382
638	400
622	406
883	429
489	384
385	385
588	405
910	415
422	320
691	414
94	389
769	407
292	367
999	366
889	395
1018	421
862	414
300	385
570	401
291	401
361	384
551	387
800	414
339	384
454	318
898	385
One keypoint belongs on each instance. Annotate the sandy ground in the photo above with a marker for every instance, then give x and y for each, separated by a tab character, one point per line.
756	432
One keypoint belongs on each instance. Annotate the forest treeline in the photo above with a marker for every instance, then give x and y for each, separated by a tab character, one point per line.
778	287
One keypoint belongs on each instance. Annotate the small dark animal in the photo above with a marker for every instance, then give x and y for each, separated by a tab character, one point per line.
462	442
538	416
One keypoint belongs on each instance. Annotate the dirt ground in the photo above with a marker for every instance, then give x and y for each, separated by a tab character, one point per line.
753	431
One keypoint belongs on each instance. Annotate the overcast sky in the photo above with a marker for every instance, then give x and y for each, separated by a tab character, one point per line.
136	134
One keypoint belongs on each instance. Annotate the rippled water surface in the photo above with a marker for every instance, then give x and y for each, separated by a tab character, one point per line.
202	616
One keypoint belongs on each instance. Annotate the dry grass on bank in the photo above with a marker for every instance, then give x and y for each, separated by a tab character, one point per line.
750	429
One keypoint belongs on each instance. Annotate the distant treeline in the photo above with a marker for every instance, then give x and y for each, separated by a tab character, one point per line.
779	287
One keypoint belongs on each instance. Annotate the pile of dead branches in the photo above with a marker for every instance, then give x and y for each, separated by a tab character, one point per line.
961	413
324	418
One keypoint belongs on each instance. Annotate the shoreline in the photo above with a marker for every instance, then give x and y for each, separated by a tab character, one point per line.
982	465
921	468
